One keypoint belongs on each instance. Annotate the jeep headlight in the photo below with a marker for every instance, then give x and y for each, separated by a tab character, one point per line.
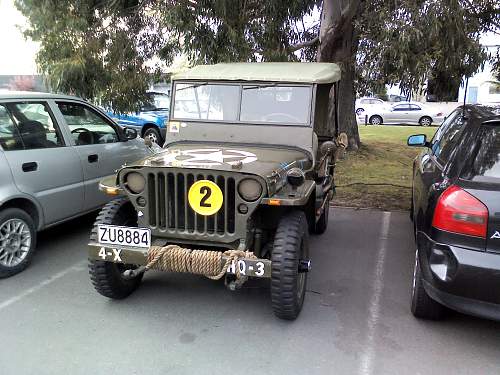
295	177
135	182
250	189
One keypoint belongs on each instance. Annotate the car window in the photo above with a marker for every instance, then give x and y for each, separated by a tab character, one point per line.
206	102
280	104
365	101
415	107
28	126
9	135
448	139
484	162
401	107
440	131
86	125
375	101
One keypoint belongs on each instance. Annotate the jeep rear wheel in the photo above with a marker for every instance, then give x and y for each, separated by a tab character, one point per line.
322	222
107	277
288	285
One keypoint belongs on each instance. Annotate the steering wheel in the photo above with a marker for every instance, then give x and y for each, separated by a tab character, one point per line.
84	131
281	114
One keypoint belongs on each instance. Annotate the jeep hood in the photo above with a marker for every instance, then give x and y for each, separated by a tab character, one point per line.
264	161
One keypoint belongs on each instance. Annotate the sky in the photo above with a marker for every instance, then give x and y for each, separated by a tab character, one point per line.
20	56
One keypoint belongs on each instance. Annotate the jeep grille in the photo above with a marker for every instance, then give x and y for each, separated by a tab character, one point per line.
169	210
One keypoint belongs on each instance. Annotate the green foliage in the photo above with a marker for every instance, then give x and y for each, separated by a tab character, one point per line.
94	49
101	50
411	41
238	30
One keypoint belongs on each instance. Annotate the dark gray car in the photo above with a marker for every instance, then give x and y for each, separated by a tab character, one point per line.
54	149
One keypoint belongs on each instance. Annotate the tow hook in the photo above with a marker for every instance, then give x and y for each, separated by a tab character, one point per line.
131	274
304	265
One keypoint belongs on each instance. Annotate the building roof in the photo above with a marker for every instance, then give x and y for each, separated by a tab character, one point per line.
293	72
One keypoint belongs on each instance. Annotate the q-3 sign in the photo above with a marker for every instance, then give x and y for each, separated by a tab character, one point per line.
205	197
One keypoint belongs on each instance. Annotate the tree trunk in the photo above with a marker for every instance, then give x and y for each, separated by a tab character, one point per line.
339	44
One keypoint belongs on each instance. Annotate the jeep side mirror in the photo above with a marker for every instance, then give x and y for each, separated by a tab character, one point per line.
418	140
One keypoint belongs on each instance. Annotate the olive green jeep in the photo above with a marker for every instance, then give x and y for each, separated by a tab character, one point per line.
245	174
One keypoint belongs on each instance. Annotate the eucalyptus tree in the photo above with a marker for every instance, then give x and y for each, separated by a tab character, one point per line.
104	49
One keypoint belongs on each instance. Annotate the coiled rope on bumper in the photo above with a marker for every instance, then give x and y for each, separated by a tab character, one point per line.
173	258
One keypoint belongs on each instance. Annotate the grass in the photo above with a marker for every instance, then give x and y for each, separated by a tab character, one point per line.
378	175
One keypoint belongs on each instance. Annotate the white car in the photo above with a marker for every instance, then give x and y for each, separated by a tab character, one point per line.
404	113
364	104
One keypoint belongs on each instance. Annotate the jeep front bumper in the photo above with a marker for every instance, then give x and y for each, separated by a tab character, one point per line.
250	267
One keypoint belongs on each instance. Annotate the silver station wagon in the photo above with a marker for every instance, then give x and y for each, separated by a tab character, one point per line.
54	149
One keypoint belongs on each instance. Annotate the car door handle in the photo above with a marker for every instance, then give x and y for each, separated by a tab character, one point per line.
93	158
30	166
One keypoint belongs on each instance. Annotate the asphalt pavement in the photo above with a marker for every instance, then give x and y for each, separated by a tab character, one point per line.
356	317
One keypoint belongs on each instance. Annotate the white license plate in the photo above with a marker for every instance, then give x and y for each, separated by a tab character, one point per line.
124	236
247	268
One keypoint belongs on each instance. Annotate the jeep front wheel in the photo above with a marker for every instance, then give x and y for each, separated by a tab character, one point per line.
291	246
107	277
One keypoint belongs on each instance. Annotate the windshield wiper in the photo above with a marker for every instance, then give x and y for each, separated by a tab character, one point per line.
192	86
259	86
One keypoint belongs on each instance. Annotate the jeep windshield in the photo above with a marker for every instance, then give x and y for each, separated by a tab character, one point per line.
244	103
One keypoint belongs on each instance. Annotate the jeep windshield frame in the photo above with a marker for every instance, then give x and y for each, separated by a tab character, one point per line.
242	100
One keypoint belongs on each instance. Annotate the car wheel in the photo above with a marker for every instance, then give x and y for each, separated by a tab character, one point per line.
423	306
376	120
154	135
288	285
17	241
107	277
359	111
425	121
322	223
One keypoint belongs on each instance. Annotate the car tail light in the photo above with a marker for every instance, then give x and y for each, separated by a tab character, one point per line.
460	212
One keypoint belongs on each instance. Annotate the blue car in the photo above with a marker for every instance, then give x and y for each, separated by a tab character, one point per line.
151	121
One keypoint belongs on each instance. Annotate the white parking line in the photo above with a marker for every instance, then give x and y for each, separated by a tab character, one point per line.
80	266
366	363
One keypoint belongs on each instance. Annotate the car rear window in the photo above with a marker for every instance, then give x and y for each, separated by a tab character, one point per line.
484	162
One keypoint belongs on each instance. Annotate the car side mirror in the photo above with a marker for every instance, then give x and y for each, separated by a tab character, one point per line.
130	133
418	140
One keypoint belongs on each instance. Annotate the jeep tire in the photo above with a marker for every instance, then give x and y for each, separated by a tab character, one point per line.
322	223
17	241
107	276
288	286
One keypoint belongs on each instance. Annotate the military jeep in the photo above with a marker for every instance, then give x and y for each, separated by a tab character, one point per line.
245	174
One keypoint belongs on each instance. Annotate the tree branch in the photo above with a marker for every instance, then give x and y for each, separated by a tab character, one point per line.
301	45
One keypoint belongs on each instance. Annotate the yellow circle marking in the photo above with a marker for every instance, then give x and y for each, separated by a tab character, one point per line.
205	197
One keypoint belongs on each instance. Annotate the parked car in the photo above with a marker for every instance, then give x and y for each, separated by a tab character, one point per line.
397	98
404	113
364	104
151	121
456	216
53	151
